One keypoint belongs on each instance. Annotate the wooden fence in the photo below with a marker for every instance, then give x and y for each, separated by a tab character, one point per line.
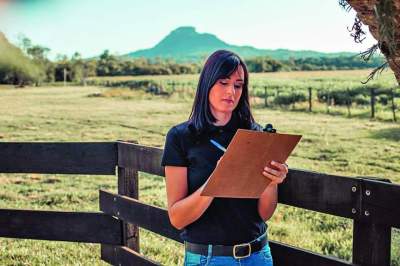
369	203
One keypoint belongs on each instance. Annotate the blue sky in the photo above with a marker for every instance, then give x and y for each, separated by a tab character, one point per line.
90	26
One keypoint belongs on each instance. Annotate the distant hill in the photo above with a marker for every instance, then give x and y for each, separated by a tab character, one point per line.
15	66
186	44
9	53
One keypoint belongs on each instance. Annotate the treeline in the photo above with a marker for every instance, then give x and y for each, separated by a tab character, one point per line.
265	64
29	64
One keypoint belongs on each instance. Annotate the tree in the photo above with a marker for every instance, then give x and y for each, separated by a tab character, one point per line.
107	65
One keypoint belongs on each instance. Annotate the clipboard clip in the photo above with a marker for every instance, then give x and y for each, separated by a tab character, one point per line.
269	128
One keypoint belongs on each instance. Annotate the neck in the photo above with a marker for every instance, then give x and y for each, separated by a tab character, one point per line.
222	117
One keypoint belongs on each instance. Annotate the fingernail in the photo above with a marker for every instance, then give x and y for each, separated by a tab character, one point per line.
273	162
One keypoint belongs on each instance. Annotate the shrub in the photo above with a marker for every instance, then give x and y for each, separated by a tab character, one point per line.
287	99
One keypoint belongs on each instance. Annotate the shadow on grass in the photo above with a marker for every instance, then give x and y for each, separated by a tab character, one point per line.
387	133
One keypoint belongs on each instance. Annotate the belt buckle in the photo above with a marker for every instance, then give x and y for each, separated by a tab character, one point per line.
241	245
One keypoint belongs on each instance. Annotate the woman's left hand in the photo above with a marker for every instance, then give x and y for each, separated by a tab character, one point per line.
277	175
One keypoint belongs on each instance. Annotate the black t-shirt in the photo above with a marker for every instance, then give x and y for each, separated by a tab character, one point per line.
227	221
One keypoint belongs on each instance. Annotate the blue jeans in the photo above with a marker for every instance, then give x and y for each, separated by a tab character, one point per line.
259	258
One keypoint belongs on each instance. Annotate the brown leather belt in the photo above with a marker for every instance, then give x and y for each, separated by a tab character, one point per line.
237	251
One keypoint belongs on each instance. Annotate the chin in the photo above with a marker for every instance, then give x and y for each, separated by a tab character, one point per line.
228	110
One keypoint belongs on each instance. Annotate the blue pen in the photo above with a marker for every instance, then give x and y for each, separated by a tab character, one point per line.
219	146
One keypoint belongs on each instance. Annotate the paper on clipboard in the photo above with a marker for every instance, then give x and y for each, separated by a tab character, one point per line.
239	173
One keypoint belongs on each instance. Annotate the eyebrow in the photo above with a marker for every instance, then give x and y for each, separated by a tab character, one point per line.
230	78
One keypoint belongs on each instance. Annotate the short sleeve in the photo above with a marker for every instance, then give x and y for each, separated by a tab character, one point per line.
256	127
173	155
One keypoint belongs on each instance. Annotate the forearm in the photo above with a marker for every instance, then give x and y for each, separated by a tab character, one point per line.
267	202
189	209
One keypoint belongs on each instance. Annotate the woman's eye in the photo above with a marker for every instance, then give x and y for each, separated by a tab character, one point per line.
238	86
223	83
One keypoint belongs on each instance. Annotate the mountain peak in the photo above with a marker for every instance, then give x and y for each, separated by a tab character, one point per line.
186	44
183	42
184	30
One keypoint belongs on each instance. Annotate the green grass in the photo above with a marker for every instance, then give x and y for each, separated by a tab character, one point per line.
331	144
282	83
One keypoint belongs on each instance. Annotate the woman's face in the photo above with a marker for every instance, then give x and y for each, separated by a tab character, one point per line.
224	96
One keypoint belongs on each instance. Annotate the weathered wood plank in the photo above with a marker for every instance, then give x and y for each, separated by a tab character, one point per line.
371	244
284	255
379	203
324	193
133	211
372	232
123	256
97	158
143	158
156	220
305	189
88	227
128	185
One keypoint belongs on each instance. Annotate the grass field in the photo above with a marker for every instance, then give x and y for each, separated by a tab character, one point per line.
285	85
331	144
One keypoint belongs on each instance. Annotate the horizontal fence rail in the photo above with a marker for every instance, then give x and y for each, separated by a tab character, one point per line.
141	158
285	255
371	204
324	193
156	220
130	210
95	158
381	202
119	255
87	227
330	194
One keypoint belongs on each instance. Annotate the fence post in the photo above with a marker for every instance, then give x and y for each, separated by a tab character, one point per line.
266	96
348	102
65	76
328	102
128	185
372	103
160	88
393	105
310	99
371	242
173	86
293	98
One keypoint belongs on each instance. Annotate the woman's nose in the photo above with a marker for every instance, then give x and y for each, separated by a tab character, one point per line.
231	90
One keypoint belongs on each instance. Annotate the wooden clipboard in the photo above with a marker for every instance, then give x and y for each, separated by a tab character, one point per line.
239	173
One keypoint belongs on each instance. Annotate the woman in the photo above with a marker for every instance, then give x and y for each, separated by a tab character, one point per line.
217	231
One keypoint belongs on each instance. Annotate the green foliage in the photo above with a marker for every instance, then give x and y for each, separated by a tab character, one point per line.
289	98
360	95
264	64
335	63
15	67
109	65
383	99
362	99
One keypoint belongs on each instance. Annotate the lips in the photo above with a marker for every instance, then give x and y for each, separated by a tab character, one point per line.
228	101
